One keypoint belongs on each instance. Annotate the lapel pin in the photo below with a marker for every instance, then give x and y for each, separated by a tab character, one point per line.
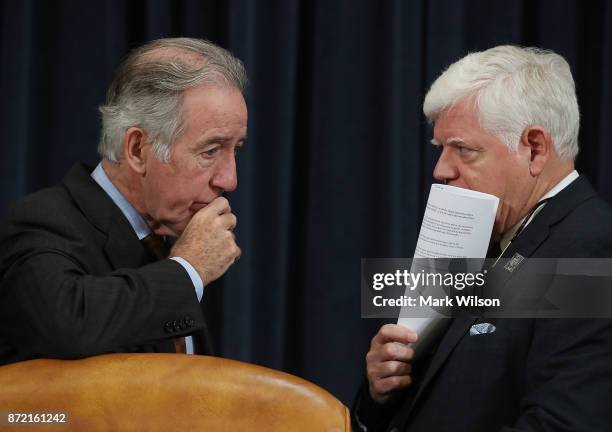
514	262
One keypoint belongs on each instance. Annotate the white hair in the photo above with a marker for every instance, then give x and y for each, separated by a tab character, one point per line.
147	91
513	88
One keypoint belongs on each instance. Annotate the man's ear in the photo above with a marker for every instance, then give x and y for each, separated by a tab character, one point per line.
135	149
536	140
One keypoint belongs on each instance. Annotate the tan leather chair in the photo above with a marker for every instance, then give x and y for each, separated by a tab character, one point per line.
166	392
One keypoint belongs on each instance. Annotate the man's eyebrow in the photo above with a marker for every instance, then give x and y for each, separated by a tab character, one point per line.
451	140
213	140
455	140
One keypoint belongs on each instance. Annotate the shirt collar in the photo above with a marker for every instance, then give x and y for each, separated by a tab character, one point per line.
137	222
508	235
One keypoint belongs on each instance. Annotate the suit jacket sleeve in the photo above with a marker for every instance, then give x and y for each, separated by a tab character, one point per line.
61	298
367	414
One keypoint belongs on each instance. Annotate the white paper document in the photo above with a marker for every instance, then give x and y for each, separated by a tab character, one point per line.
457	224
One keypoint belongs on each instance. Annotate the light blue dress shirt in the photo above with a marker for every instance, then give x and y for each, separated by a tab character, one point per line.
142	230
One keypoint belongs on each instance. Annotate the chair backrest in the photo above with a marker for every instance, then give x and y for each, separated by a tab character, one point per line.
167	392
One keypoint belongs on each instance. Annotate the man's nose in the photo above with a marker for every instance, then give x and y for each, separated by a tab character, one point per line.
225	177
445	169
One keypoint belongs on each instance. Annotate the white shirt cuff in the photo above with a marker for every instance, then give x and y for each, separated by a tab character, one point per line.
193	274
189	345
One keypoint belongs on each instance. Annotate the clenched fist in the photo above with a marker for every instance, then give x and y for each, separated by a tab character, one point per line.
389	361
208	241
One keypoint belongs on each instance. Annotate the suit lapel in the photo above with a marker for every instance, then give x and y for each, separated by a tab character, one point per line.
122	247
451	338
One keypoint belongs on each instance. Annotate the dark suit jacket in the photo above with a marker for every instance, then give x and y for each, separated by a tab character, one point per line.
530	374
76	281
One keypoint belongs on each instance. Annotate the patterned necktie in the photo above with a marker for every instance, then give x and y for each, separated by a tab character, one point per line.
158	249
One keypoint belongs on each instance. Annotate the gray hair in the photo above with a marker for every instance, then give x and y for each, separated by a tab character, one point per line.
513	88
147	91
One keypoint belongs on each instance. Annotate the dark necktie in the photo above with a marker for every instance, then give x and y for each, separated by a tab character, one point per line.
494	250
156	246
158	249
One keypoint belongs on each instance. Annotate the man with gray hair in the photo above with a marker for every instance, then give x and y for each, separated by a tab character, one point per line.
506	122
89	266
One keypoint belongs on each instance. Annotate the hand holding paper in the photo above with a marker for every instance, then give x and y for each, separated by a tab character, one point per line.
457	224
389	362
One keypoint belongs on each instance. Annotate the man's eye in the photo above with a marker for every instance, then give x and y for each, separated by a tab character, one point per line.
211	152
464	151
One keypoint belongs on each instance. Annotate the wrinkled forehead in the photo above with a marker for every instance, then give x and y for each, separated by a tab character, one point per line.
459	116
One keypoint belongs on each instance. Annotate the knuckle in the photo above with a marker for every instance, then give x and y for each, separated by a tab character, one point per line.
373	342
217	222
380	387
395	368
409	354
371	372
198	216
395	382
386	385
390	350
385	330
402	382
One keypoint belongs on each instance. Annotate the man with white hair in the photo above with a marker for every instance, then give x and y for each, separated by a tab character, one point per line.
506	122
89	266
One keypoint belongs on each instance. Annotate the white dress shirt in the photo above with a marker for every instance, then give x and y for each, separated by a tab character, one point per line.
505	239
